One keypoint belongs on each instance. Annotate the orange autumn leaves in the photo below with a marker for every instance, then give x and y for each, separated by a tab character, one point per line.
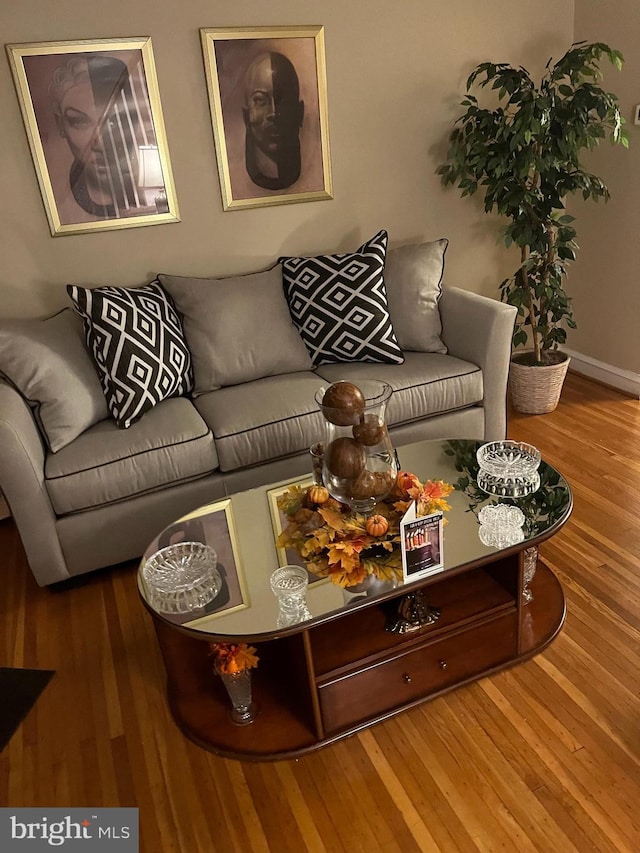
429	497
231	658
339	544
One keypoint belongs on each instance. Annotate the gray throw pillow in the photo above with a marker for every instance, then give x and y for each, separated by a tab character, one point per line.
413	276
48	363
238	328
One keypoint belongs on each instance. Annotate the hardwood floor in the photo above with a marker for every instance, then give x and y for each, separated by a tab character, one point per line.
542	757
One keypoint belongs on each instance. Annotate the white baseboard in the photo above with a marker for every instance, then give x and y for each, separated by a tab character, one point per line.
616	377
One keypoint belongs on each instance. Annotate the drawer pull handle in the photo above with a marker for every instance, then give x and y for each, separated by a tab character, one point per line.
406	678
443	664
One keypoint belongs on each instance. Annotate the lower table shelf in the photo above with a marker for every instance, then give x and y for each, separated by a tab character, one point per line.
308	697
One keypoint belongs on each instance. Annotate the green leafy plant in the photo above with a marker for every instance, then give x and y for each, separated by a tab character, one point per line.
525	156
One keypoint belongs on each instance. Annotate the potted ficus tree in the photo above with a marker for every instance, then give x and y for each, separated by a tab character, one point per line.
524	153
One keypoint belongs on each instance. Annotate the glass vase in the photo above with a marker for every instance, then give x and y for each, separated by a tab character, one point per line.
359	466
289	585
238	684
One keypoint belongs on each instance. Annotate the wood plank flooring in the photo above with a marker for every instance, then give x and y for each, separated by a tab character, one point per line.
542	757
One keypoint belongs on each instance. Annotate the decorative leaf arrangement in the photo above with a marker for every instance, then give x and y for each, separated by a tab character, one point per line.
347	546
232	658
524	156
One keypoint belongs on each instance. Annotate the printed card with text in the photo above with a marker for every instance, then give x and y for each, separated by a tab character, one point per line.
422	541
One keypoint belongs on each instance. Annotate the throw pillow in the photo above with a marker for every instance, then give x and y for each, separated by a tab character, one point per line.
48	363
135	337
339	305
238	328
413	276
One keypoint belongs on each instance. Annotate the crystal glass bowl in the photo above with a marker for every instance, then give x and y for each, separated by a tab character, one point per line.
501	515
501	525
508	458
182	577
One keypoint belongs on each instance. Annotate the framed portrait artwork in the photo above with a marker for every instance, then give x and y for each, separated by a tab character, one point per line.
268	98
288	556
213	525
94	123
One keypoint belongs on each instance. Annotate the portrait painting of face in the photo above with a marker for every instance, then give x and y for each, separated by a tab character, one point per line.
100	154
273	115
269	116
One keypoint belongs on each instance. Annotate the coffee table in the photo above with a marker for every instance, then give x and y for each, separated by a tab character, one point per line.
341	671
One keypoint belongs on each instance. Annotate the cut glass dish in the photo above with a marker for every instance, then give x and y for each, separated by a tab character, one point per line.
509	459
501	525
182	577
508	486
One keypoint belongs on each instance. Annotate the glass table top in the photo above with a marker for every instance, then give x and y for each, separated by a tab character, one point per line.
243	528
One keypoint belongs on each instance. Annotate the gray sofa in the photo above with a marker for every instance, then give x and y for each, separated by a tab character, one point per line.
100	499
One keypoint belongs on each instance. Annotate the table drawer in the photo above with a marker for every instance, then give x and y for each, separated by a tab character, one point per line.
398	681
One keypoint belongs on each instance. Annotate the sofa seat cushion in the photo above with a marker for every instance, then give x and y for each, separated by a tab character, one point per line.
428	383
170	445
263	420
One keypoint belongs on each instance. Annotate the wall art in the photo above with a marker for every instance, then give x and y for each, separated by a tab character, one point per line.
94	122
268	99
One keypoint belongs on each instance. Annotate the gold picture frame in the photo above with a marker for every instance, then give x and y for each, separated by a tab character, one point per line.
93	118
288	556
211	524
268	155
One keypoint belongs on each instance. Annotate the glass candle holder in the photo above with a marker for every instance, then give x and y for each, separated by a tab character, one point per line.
289	585
316	451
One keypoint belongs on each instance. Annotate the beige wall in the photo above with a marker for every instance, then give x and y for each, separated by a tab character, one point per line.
395	74
605	280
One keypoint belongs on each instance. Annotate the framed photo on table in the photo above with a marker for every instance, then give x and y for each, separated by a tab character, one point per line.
288	556
213	525
268	99
94	123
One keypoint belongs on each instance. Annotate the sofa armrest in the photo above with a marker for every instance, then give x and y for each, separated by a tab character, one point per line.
22	458
478	329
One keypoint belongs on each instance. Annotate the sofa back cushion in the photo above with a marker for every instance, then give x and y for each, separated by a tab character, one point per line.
135	338
413	277
237	328
48	363
339	304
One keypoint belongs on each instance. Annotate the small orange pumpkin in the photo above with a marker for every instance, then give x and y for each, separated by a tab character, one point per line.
377	525
319	494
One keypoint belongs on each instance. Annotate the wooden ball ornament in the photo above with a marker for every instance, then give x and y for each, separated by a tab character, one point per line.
372	484
364	486
343	403
370	431
345	458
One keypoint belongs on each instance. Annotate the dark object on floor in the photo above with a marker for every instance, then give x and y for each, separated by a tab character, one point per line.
19	690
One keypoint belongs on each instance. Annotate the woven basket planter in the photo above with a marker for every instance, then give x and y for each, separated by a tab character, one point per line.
535	390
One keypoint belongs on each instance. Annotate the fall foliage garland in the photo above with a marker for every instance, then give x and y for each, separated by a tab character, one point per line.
347	546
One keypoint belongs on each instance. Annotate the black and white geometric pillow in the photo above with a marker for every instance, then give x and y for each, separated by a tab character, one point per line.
135	338
338	303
